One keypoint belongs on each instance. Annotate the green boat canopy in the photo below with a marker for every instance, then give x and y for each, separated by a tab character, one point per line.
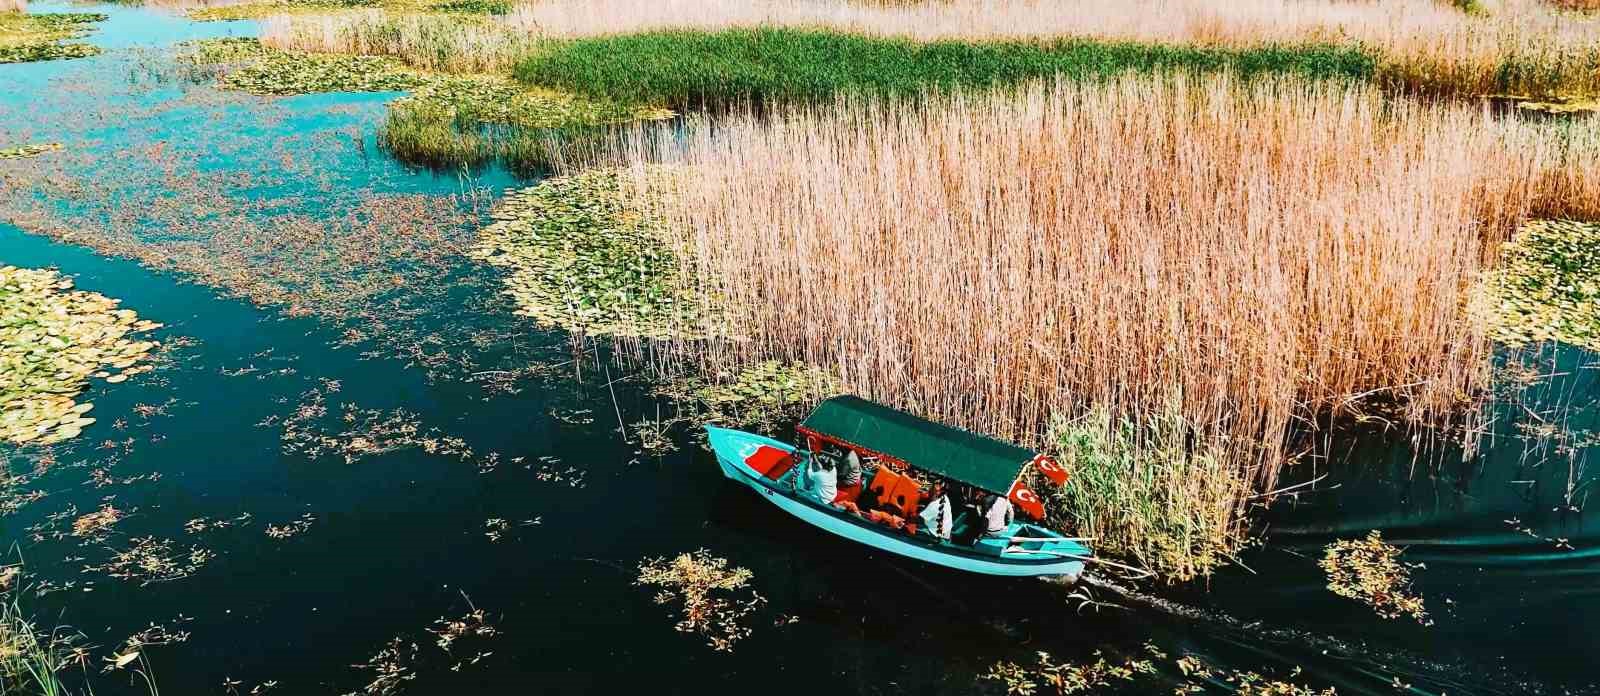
938	449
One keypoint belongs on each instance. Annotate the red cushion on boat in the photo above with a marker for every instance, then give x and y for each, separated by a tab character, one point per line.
772	462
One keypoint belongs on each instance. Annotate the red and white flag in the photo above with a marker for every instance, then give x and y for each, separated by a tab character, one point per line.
1026	500
1051	469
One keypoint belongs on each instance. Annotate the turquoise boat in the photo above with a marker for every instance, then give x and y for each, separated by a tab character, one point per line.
877	433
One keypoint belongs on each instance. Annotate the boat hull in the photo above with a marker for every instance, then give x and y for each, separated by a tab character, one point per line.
733	446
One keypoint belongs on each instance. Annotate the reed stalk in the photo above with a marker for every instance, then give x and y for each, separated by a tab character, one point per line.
1248	257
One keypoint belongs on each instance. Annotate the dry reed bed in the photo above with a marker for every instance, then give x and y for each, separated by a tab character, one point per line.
1427	45
1257	254
13	5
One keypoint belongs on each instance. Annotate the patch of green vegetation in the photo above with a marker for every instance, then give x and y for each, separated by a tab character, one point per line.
760	397
26	151
580	257
32	658
34	37
223	51
1551	105
696	68
284	73
1547	287
52	340
484	7
714	597
1154	491
1369	571
469	120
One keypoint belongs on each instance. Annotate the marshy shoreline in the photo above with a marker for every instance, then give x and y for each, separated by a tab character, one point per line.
1263	276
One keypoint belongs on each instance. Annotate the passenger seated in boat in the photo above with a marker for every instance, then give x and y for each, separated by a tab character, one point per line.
821	481
937	517
849	479
970	524
998	514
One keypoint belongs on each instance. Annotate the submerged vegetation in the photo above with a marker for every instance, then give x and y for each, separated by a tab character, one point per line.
1547	287
52	340
34	37
712	594
1370	571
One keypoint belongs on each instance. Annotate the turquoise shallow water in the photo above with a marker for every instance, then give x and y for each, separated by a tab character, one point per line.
398	539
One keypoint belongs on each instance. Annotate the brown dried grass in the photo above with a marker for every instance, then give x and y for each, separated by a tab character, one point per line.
13	5
1259	255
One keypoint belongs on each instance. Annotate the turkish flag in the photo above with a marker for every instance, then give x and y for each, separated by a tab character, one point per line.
1051	469
1026	500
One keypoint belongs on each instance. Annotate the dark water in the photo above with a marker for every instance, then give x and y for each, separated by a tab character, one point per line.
398	539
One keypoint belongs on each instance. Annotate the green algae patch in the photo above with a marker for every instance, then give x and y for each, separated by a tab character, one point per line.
27	151
581	258
35	37
52	340
1547	287
762	396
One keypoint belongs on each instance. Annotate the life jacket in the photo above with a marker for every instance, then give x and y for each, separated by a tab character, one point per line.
897	491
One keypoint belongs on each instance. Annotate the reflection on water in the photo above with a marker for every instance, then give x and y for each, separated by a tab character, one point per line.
542	527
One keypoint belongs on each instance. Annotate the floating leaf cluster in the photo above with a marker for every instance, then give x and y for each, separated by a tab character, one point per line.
26	151
761	396
1064	678
580	258
52	340
1548	286
1369	571
34	37
150	560
710	592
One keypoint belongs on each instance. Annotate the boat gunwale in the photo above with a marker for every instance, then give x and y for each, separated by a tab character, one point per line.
942	547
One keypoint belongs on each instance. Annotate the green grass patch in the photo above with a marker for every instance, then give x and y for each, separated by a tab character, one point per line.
694	68
1152	491
467	120
1547	287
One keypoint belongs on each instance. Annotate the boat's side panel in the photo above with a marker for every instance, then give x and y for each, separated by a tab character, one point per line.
730	444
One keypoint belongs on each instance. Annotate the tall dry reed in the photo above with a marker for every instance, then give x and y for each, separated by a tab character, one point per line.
1425	45
13	5
1259	255
444	43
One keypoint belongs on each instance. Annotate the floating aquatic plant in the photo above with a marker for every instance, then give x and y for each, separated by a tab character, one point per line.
396	664
704	584
1064	678
760	396
292	528
1370	571
149	560
581	259
52	340
26	151
34	37
1245	683
1547	287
